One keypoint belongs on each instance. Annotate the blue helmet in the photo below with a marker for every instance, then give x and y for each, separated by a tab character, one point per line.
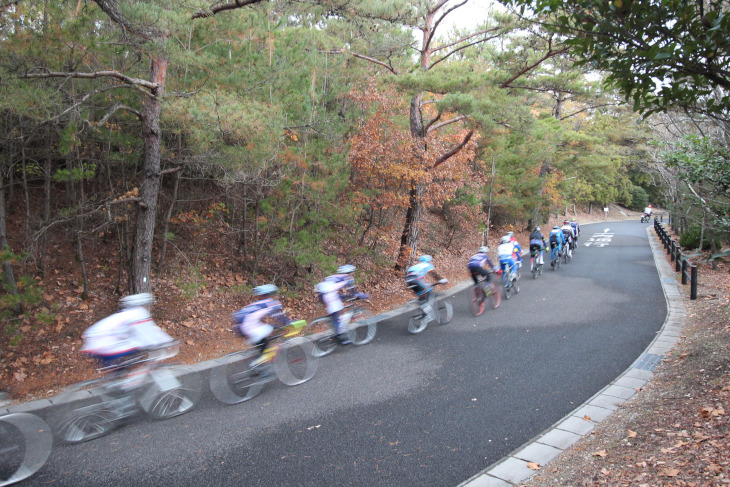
425	258
265	289
346	269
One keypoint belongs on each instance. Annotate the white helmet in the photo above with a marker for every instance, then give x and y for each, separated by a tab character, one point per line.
346	269
504	239
483	249
510	234
264	290
134	300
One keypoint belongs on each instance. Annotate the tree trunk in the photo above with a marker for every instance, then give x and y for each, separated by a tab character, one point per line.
150	188
8	272
46	212
168	214
409	236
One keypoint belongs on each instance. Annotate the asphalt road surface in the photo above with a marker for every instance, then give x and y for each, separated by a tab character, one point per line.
409	410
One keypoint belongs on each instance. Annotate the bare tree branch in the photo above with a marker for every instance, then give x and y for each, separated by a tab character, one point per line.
453	151
460	48
526	69
114	108
427	44
428	125
92	75
374	61
443	124
222	7
466	38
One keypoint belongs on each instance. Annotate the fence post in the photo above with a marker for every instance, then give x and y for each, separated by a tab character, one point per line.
685	264
678	260
674	250
693	286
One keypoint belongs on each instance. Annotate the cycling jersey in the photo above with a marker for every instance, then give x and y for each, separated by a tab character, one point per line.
416	277
329	291
123	333
248	319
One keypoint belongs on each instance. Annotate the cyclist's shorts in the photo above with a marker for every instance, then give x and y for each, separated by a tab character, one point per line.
534	249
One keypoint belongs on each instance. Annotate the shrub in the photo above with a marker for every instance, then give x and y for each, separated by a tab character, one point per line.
691	239
639	199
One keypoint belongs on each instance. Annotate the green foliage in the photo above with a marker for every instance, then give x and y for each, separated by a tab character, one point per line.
87	172
639	199
190	281
704	167
683	44
691	239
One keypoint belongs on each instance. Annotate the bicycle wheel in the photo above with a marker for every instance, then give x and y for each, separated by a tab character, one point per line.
444	312
323	337
295	362
25	443
234	381
417	324
362	327
173	391
495	297
534	271
476	301
515	287
87	411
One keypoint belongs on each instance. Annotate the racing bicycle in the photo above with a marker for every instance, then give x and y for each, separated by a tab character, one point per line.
510	276
536	262
289	357
359	323
481	292
141	382
555	254
430	309
25	443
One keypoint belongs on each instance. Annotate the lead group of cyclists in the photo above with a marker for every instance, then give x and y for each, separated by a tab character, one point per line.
131	330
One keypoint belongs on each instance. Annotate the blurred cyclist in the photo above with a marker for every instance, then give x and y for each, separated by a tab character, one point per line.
557	240
576	228
569	234
506	254
125	333
476	265
537	244
517	252
416	277
331	291
248	320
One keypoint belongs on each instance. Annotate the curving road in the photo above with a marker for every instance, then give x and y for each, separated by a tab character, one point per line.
430	409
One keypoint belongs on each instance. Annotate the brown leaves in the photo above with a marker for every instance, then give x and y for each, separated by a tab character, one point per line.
533	466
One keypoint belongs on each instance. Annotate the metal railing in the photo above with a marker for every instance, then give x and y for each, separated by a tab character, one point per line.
681	263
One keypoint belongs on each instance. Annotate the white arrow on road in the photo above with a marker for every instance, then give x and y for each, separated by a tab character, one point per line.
606	230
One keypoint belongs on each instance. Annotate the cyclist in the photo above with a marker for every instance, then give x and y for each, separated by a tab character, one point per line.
557	240
329	293
576	228
416	277
125	333
476	265
248	322
517	252
647	211
537	243
506	253
569	234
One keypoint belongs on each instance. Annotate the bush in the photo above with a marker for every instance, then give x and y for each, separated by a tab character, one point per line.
639	199
691	239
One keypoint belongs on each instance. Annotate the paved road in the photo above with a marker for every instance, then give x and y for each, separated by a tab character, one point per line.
430	409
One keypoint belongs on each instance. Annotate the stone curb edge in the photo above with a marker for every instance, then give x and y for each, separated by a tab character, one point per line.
513	469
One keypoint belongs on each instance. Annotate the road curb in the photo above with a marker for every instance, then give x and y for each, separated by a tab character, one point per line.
513	469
